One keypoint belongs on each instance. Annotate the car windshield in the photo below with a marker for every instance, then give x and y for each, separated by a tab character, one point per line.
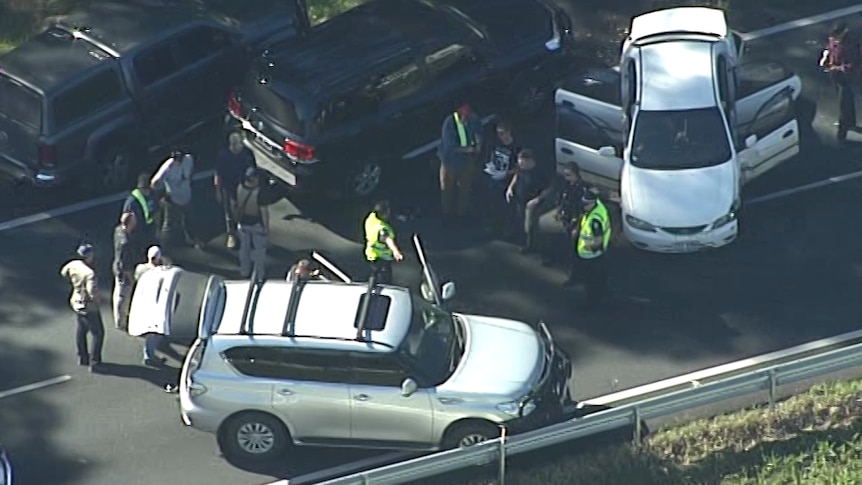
678	140
434	343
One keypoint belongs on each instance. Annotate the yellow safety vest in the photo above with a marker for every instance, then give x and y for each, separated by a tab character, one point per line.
375	248
145	205
585	235
462	130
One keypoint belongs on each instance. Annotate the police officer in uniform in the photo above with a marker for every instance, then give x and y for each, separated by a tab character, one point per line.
140	202
380	246
594	235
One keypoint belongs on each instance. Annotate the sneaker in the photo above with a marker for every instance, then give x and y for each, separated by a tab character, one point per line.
231	241
95	367
83	361
155	362
172	389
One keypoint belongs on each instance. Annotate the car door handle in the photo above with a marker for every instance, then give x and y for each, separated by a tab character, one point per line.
285	392
787	134
362	397
567	151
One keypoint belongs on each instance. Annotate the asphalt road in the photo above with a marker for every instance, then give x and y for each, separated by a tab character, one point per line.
792	277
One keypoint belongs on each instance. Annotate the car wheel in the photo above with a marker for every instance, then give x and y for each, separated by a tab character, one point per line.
529	95
364	180
254	437
469	434
114	172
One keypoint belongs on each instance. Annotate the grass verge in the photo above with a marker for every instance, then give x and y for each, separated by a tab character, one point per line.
813	438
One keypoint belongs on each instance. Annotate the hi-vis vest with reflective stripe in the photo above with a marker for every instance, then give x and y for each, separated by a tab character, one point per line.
375	248
463	140
586	237
145	205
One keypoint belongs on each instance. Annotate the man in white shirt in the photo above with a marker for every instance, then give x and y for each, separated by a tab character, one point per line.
151	340
174	178
85	300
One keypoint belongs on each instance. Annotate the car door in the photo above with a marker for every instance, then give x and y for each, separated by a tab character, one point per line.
168	300
397	88
767	128
311	393
162	93
589	133
380	414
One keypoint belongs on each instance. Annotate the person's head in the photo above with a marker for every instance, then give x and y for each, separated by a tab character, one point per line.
128	221
234	143
252	177
464	110
589	200
571	172
526	159
177	155
839	32
143	183
154	255
85	252
382	209
504	131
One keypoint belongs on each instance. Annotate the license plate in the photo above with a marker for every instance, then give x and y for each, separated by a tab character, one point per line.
688	246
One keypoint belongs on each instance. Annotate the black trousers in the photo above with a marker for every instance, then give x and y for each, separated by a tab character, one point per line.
176	221
595	274
846	107
228	199
381	269
89	322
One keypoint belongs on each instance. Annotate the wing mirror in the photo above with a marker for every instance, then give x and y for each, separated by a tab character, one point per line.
607	152
409	387
448	291
751	141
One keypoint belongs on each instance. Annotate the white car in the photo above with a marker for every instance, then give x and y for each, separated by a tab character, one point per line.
678	127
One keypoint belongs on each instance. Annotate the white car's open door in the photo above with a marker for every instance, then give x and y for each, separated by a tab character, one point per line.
767	130
589	126
432	290
171	301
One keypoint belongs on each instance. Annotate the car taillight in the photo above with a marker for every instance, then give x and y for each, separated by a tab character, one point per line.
47	156
233	104
298	150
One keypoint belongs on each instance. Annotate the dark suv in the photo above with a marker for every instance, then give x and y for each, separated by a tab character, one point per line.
335	110
101	87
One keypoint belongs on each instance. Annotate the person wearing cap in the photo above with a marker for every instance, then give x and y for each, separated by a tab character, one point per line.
231	164
123	268
252	225
143	206
380	246
302	270
151	340
174	178
459	150
85	300
594	236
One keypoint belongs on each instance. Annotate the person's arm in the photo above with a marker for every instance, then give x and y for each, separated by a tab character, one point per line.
390	243
64	271
447	139
264	218
219	168
510	190
598	235
189	166
159	176
91	288
127	259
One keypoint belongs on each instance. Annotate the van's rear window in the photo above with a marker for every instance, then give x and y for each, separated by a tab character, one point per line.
19	103
285	112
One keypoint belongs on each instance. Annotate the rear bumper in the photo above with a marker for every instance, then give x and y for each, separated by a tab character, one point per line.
22	172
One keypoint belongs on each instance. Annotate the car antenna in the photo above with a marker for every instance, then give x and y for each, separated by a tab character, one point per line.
366	304
253	289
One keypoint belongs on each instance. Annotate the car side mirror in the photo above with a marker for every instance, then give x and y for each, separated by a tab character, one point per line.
607	152
409	387
426	292
448	291
751	141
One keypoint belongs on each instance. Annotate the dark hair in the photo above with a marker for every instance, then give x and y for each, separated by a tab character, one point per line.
527	153
504	124
839	31
143	181
381	207
571	167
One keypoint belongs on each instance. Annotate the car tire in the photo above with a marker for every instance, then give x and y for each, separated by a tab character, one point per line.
469	433
253	438
364	180
529	95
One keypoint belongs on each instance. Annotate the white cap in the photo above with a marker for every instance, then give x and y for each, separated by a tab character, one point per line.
154	252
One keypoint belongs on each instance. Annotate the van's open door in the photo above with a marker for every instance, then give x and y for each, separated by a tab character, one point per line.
170	301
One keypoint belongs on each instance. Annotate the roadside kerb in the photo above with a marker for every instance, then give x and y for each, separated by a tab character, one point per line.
628	415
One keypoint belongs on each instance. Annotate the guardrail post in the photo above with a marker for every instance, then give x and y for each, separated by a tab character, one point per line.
772	386
501	480
636	439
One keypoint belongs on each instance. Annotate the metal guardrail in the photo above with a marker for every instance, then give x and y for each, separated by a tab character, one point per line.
628	415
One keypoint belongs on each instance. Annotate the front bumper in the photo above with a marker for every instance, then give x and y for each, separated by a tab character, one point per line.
553	400
663	242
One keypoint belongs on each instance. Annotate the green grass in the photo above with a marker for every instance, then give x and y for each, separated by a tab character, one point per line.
811	439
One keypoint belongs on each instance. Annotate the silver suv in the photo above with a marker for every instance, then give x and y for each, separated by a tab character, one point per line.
345	364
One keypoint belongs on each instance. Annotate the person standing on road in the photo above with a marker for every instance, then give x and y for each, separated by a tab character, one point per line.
526	193
174	177
123	268
502	159
141	204
460	146
569	189
380	246
85	300
594	236
842	58
252	226
231	165
151	340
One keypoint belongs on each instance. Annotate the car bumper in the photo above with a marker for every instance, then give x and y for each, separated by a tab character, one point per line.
197	417
663	242
22	172
553	402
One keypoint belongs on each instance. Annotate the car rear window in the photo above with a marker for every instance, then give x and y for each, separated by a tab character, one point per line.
290	114
90	96
19	103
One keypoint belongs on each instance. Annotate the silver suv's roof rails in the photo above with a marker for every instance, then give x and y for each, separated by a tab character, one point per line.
362	321
342	339
254	287
292	306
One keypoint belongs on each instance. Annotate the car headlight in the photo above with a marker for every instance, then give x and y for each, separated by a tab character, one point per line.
639	224
726	219
513	408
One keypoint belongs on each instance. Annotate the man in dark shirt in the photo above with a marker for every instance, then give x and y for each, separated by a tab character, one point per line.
125	259
141	204
842	58
526	195
499	168
231	165
567	188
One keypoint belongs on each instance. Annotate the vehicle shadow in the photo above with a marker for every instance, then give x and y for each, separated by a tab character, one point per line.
158	377
299	461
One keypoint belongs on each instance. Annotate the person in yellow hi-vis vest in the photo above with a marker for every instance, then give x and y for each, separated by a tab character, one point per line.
380	246
594	235
460	147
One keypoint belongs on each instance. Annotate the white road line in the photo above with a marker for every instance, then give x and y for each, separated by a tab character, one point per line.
722	369
80	206
345	469
804	188
34	386
800	23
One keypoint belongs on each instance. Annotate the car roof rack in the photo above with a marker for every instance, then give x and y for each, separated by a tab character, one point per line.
292	305
250	307
373	292
342	339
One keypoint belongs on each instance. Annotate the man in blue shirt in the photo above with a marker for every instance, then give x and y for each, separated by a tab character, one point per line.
231	165
460	146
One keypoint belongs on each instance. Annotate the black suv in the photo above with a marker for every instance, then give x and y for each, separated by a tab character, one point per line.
101	87
336	109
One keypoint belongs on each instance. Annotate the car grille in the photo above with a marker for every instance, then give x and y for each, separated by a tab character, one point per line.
684	231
